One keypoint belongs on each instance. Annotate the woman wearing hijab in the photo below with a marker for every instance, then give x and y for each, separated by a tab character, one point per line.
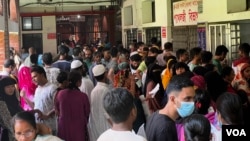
9	106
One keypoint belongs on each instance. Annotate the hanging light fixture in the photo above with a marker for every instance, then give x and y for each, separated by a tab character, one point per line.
62	18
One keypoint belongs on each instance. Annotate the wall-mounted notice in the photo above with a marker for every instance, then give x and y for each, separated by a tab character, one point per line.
202	37
51	36
163	32
185	12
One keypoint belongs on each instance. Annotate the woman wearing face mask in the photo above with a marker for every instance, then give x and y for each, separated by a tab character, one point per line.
25	128
229	112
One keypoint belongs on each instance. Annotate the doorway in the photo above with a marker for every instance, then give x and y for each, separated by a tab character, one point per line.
33	40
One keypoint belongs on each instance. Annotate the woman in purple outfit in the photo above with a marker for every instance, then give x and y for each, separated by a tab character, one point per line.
73	109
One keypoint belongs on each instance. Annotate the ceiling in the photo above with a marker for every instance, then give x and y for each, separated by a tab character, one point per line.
33	6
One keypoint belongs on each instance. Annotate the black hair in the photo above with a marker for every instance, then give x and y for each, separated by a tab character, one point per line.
140	44
197	128
215	84
150	60
167	58
243	96
154	74
25	116
195	51
120	48
180	52
220	50
178	82
74	77
154	50
38	69
245	48
200	70
100	77
62	76
34	58
113	52
145	49
202	101
182	65
125	51
8	63
209	67
168	46
100	49
206	57
229	106
118	103
179	65
6	81
226	71
63	50
47	58
84	69
105	49
135	57
76	51
153	40
97	53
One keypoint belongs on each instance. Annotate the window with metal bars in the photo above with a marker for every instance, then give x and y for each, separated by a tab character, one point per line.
131	35
153	32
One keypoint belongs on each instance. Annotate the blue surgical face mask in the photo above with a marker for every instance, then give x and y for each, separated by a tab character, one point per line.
185	109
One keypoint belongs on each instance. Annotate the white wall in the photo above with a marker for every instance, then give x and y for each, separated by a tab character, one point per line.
216	11
163	17
49	26
13	26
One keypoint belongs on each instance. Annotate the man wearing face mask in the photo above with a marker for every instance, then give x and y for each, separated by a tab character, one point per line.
161	125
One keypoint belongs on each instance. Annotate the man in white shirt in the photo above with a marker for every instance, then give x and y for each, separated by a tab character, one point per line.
43	102
119	104
99	120
27	61
8	67
87	85
51	72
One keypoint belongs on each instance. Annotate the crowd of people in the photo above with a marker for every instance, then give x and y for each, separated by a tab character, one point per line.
145	92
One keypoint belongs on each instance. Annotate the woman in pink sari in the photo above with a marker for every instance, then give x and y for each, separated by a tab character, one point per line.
26	84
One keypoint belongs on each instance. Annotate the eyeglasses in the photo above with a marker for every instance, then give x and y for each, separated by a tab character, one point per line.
26	134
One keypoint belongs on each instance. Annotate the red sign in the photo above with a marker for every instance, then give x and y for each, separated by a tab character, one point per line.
163	32
51	36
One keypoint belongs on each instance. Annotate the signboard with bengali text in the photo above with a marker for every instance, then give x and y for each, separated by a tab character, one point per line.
185	12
